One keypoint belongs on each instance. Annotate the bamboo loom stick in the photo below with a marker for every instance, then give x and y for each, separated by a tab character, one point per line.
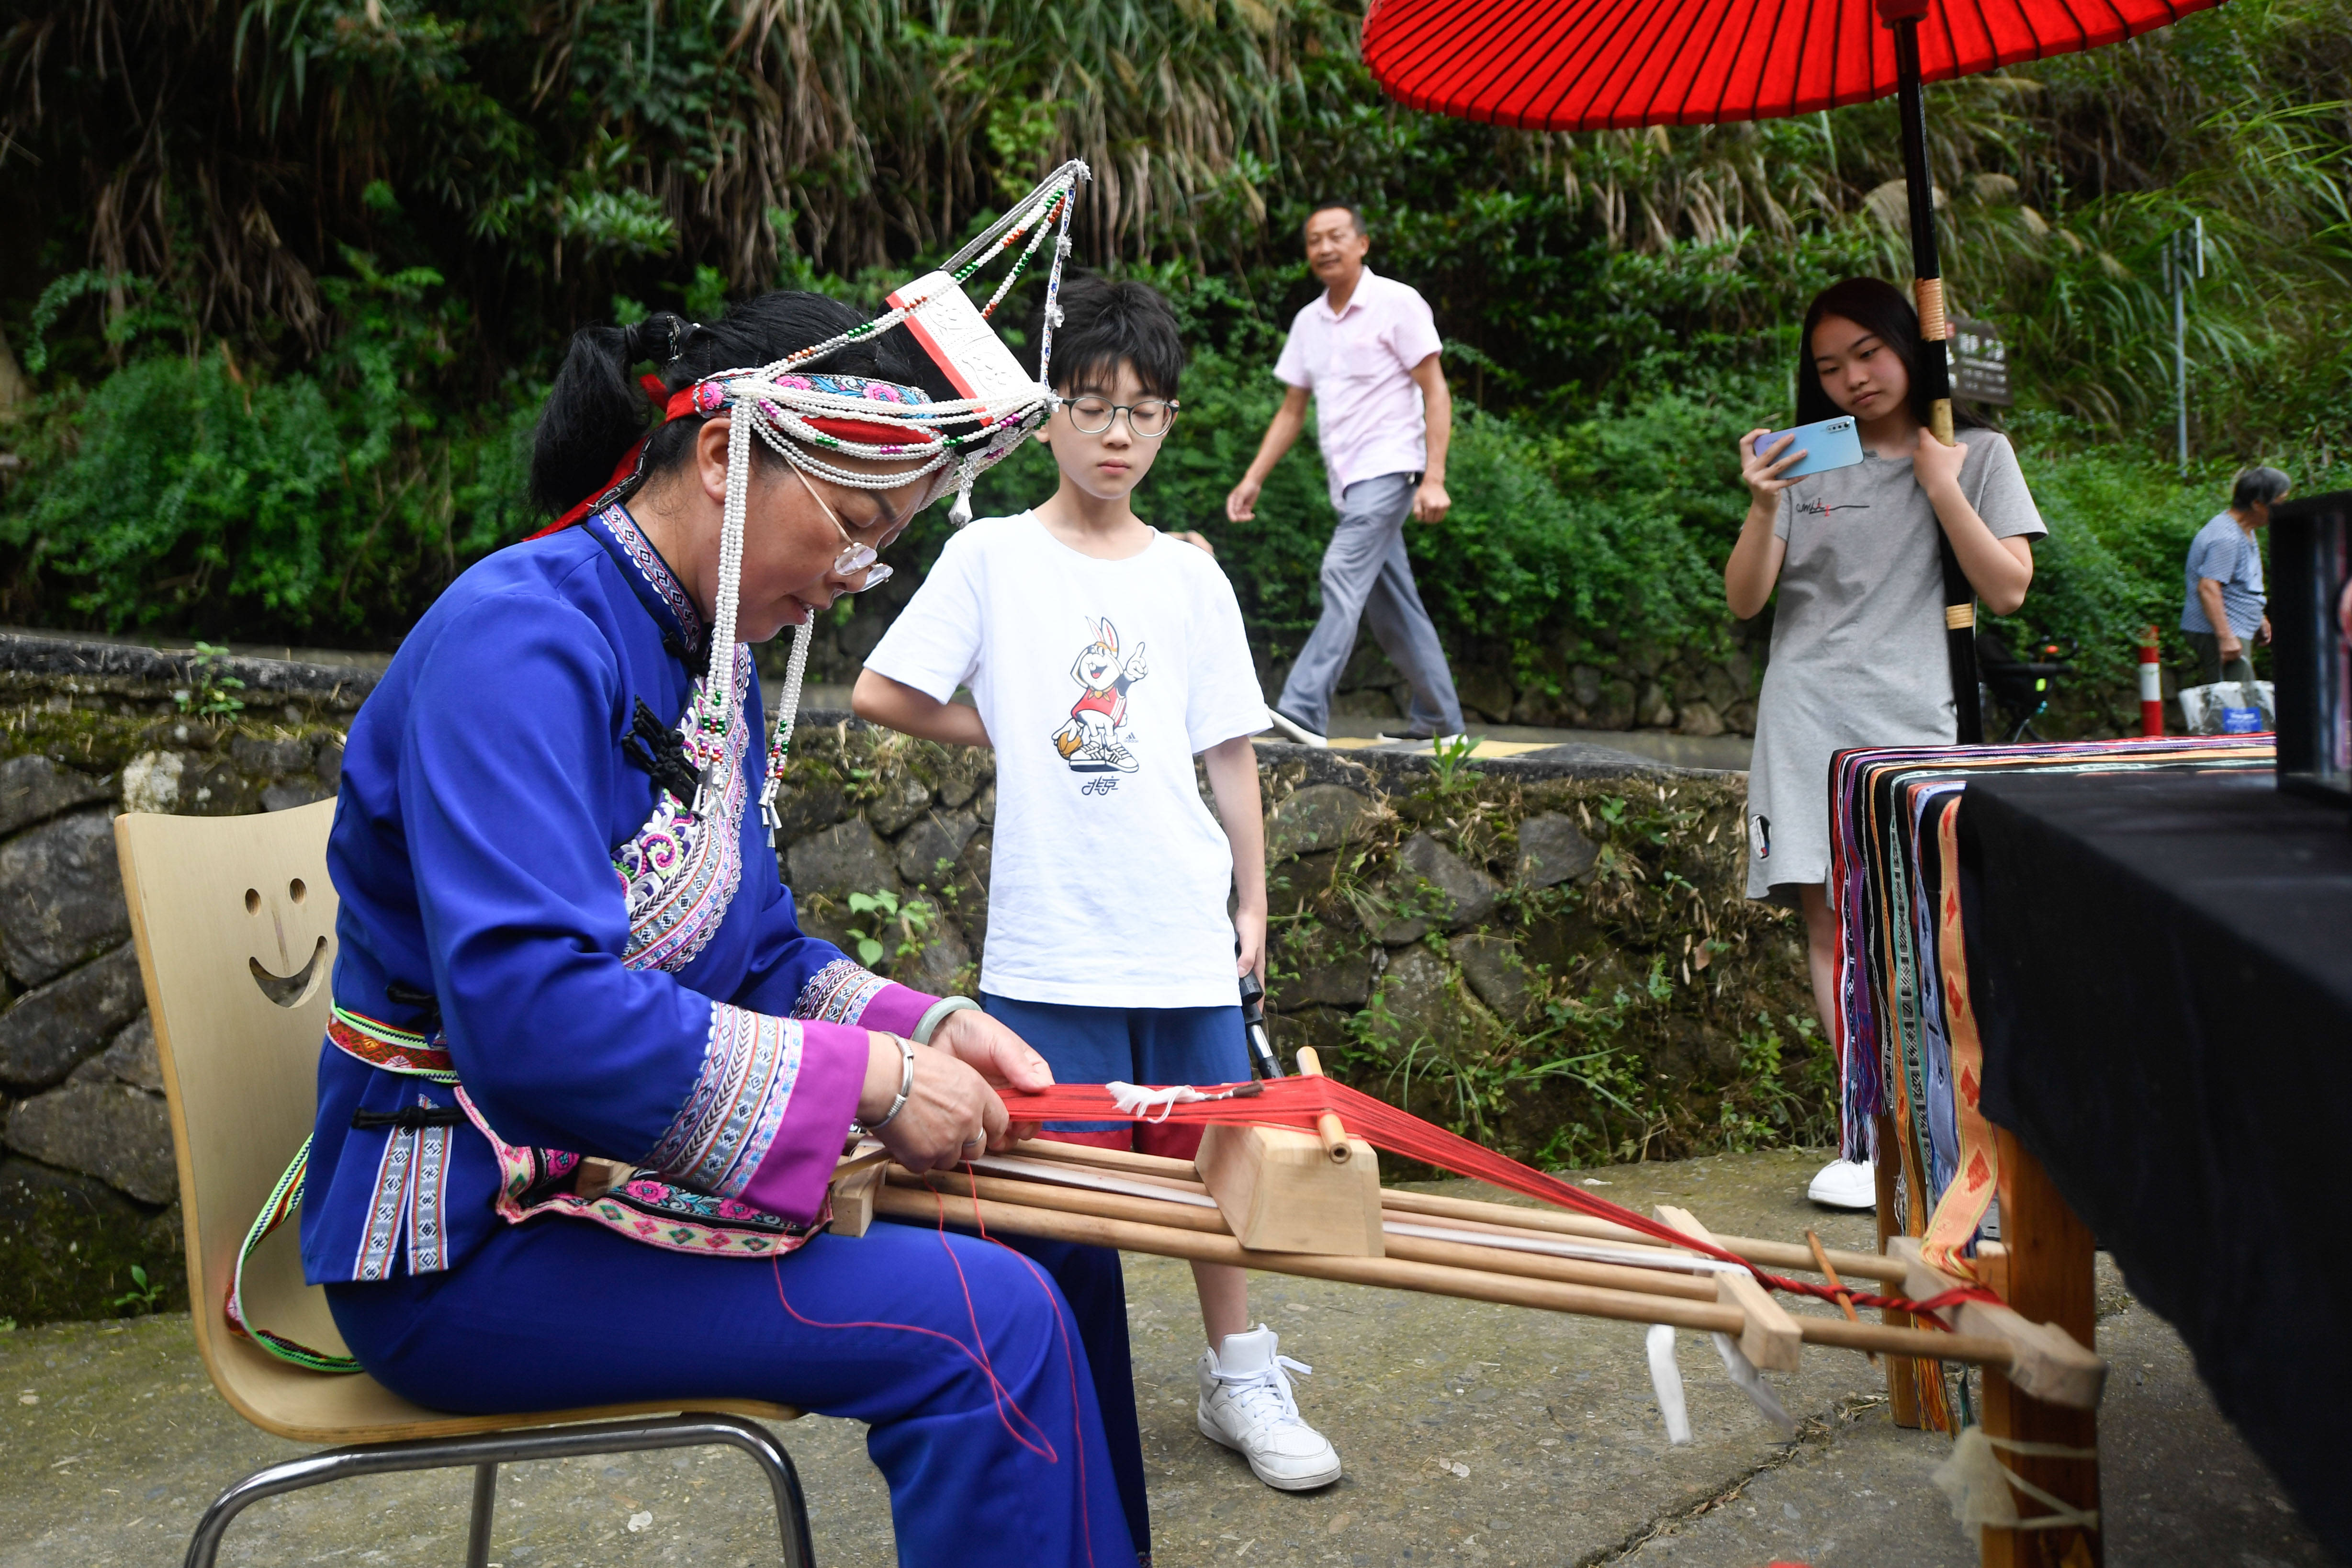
1771	1254
1327	1126
1821	1261
1144	1184
1511	1216
961	1189
1109	1158
1395	1273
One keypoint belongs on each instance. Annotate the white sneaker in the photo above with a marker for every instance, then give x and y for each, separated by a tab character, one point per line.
1431	741
1295	730
1845	1184
1247	1405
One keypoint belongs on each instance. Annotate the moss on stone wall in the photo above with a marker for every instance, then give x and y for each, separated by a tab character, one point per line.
1553	956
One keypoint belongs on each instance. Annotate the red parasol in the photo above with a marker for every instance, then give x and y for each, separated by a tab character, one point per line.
1598	65
1595	65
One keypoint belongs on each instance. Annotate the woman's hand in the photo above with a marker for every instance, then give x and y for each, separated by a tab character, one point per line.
1934	466
1001	1056
1760	471
953	1112
2000	569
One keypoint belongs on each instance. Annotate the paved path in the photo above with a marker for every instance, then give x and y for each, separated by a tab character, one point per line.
1473	1434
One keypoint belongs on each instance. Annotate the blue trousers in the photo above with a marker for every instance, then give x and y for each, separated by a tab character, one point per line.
1139	1045
879	1329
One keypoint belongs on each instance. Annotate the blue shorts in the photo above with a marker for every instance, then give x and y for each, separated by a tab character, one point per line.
1134	1044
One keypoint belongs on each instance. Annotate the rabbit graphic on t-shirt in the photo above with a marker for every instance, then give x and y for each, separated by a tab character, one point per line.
1088	741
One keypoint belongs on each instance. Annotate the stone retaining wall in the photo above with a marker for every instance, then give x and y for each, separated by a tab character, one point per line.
1550	954
1637	687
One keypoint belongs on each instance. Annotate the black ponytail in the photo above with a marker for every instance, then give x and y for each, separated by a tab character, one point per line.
597	410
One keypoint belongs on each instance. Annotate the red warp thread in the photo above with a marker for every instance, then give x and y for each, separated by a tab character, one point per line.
977	1353
1297	1102
1069	1362
1043	1446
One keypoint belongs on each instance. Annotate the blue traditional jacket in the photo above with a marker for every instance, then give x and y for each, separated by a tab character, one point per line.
544	953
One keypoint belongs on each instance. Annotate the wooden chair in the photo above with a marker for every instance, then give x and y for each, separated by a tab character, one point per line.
234	921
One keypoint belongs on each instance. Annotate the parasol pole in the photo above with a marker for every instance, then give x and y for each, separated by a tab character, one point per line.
1935	363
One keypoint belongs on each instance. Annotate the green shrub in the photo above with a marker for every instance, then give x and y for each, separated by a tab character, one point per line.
187	493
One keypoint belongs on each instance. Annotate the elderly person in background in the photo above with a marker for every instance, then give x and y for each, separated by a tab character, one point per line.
1367	352
2223	604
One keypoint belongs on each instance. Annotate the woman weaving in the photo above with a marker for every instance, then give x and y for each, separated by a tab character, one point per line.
561	941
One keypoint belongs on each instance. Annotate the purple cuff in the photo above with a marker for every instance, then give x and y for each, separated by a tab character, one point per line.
798	1164
897	1009
843	993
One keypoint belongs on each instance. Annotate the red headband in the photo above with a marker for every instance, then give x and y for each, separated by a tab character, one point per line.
701	400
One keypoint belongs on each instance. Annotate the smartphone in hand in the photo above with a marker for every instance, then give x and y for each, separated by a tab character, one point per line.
1826	445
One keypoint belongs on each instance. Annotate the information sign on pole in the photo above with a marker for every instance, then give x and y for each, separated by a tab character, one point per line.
1979	361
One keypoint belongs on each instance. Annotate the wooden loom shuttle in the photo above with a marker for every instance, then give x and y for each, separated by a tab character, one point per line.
1111	1159
1767	1335
2046	1361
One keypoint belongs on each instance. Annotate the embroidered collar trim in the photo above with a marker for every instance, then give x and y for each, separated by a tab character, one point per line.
648	572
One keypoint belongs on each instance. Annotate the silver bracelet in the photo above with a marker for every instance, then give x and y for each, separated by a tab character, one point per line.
906	1089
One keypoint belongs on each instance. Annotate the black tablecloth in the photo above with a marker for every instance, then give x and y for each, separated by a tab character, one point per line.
2162	969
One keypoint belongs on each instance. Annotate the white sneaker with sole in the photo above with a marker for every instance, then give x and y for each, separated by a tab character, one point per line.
1845	1184
1247	1405
1295	730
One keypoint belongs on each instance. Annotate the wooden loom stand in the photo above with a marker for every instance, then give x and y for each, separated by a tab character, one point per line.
1489	1252
2042	1267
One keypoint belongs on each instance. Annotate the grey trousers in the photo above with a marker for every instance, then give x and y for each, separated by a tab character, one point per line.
1365	573
2207	647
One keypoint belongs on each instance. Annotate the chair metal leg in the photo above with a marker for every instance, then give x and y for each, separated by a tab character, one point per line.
477	1529
484	1452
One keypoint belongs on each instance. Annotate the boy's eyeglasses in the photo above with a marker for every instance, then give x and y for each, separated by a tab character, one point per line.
855	558
1091	416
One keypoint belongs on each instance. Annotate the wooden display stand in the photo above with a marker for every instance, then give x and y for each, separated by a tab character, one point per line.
2049	1394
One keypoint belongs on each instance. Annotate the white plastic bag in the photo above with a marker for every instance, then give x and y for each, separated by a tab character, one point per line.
2229	707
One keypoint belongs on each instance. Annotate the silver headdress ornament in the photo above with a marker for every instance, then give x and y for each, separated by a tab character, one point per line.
810	419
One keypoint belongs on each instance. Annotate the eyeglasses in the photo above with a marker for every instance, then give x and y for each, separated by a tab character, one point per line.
1091	416
855	558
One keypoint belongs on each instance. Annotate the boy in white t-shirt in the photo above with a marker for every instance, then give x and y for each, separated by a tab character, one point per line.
1103	657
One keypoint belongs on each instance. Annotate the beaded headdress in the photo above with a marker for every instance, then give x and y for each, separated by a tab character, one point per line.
813	420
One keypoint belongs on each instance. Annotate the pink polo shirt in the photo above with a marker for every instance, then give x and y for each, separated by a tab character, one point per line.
1358	363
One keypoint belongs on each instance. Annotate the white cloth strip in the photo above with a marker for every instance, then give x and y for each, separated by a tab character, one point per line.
1089	1177
1751	1383
1667	1378
1646	1258
1980	1485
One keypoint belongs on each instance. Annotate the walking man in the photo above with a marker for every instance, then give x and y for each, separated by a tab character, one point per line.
1367	350
2223	605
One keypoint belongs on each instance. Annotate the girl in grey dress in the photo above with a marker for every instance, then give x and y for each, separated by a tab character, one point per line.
1858	648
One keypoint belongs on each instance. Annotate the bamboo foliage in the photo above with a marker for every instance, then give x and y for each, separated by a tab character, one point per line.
220	143
542	157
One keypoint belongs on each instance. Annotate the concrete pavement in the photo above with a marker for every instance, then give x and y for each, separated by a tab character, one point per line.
1472	1434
